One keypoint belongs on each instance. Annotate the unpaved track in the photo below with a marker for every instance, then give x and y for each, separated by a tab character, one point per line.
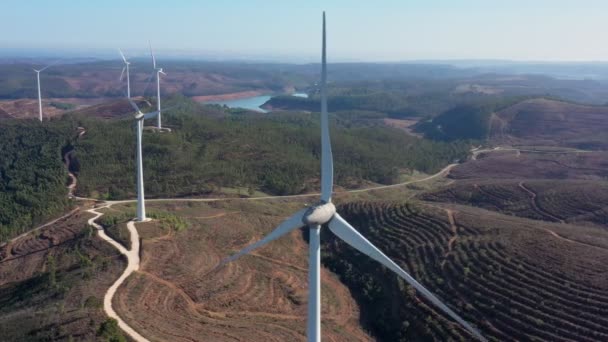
132	255
454	229
534	202
443	172
132	266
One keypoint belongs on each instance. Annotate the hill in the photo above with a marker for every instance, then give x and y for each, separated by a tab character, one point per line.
276	154
551	123
179	294
576	202
32	174
513	278
52	283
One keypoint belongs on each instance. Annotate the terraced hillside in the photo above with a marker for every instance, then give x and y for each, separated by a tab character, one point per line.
521	164
551	123
501	273
52	283
179	295
580	202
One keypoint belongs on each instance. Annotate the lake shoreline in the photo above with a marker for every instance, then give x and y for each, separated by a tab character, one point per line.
230	96
255	103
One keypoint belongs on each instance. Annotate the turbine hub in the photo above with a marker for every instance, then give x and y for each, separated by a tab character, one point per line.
319	214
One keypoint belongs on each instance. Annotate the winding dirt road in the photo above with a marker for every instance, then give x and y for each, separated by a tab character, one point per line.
132	255
132	266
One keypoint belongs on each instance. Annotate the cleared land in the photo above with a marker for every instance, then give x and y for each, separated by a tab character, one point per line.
532	165
501	273
52	283
551	123
179	295
579	202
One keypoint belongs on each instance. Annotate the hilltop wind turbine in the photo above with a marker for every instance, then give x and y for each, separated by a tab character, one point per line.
324	212
140	117
39	91
158	72
122	73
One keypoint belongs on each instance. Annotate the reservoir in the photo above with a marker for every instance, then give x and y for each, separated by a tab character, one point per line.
251	103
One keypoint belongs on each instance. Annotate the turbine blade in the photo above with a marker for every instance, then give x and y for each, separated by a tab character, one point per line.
122	73
327	167
134	105
123	56
292	223
152	53
50	65
148	81
351	236
150	115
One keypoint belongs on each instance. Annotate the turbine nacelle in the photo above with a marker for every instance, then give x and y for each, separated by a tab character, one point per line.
138	113
319	214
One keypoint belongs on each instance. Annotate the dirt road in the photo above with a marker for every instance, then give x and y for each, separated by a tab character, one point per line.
132	266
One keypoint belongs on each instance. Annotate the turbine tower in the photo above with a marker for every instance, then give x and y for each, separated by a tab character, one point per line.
324	212
159	71
139	118
122	73
39	91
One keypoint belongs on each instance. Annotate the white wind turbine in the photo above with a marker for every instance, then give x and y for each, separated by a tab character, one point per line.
39	91
122	73
139	118
324	212
159	71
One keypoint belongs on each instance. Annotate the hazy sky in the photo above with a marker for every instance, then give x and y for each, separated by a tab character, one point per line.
358	30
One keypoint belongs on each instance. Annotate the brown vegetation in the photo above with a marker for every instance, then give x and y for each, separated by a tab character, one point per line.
551	122
580	202
502	274
179	295
532	165
52	283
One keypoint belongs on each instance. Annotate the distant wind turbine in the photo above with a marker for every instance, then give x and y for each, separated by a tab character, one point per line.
39	91
324	212
140	117
122	73
159	71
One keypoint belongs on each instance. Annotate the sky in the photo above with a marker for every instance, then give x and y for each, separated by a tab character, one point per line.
286	30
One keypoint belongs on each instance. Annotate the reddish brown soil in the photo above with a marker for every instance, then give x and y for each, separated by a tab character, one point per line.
516	279
113	109
31	307
554	123
404	125
577	202
178	294
229	96
589	166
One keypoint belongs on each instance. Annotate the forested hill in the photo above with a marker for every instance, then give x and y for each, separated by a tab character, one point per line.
32	175
277	154
210	149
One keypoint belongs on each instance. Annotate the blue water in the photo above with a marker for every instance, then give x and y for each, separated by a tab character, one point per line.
251	103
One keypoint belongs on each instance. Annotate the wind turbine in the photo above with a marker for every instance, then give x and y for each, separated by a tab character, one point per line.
158	72
122	73
140	117
39	91
324	212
